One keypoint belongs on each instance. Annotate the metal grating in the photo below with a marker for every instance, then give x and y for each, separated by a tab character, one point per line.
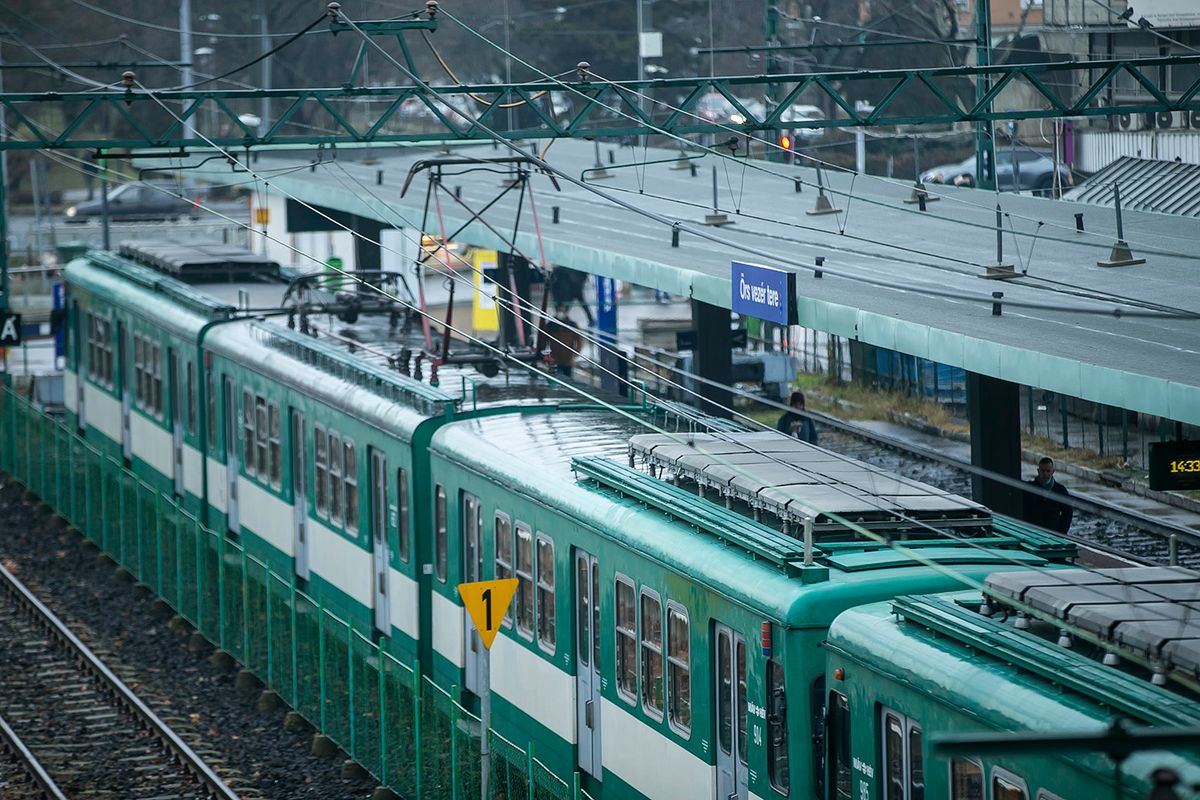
756	539
793	480
1152	611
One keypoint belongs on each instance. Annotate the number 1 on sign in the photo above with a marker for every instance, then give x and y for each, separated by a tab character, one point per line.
487	602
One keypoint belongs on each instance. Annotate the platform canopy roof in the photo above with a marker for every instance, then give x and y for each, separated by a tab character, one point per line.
893	276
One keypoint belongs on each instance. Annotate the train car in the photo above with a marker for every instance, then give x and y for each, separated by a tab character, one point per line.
1122	648
675	586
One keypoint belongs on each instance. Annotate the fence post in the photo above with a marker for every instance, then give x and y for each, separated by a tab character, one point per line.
245	612
350	681
321	660
1173	550
575	786
453	745
158	567
295	648
221	592
529	770
383	776
417	725
270	645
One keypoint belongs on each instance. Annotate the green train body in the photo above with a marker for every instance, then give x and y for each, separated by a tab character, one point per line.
648	655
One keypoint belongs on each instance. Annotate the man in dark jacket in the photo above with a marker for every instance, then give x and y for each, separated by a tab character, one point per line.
797	424
1040	507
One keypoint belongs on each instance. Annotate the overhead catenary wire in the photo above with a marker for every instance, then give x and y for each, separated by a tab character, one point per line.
770	144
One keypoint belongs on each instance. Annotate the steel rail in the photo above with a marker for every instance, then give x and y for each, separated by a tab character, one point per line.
91	662
32	765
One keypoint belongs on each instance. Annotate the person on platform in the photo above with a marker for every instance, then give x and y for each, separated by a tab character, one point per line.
566	287
565	341
799	424
1040	507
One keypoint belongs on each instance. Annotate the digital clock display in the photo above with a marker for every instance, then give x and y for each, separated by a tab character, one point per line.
1174	465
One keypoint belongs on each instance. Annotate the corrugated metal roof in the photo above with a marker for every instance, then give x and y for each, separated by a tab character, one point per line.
1166	187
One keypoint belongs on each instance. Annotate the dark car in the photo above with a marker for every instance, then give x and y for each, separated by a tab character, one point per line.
1034	171
133	201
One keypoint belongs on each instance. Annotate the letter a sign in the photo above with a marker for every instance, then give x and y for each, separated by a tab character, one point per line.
487	602
10	330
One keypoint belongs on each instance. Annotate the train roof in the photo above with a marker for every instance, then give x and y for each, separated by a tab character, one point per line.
577	456
1004	678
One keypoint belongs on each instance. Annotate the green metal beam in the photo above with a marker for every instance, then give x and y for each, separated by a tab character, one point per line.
140	119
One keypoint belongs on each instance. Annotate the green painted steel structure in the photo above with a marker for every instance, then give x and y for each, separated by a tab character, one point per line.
134	118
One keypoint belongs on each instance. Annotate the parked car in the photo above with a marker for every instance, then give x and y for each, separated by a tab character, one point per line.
132	201
802	113
1033	171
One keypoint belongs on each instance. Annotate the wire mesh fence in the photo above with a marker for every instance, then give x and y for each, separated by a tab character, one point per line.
409	732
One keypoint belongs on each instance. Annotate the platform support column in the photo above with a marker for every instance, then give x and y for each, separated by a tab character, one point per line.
993	406
713	357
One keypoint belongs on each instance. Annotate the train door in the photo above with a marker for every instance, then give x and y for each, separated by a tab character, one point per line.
126	390
81	367
472	549
175	402
299	494
730	704
231	457
904	776
379	538
587	663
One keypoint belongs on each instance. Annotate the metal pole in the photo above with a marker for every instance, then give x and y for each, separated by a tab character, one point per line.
508	57
716	207
999	235
185	57
35	186
860	151
485	714
4	306
264	46
1117	206
104	206
984	166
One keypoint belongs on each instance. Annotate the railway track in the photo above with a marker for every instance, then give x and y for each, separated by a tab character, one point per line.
72	727
1104	527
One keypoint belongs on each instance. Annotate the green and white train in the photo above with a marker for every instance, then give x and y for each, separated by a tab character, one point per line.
672	635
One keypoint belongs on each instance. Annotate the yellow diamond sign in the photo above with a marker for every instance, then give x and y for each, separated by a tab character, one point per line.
487	602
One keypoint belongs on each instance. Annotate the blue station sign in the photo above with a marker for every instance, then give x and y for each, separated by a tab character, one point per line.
763	293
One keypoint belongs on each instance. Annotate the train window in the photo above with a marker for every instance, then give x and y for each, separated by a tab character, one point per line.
903	757
191	398
724	694
210	399
321	468
740	658
504	557
966	779
156	378
524	565
838	742
916	765
777	745
402	522
260	438
100	357
1045	795
1006	786
350	481
652	654
248	431
276	470
626	641
439	539
139	372
679	672
545	592
893	758
335	479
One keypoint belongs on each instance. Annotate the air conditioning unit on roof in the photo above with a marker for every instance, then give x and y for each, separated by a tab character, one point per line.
1130	121
1171	120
